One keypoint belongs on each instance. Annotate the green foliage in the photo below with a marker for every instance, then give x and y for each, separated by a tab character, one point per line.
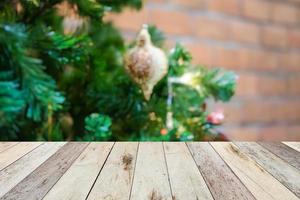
97	127
38	87
51	82
179	60
11	99
221	85
158	38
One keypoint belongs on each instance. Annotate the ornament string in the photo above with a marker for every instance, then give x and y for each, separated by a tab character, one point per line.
169	117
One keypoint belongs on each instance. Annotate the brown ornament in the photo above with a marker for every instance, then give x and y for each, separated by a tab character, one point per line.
145	63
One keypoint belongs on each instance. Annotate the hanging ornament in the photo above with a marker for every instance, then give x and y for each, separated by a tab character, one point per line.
145	63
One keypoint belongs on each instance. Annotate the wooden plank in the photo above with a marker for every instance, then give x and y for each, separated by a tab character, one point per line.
294	145
151	176
261	184
39	182
76	183
186	180
6	145
116	173
221	181
284	152
16	172
14	153
281	170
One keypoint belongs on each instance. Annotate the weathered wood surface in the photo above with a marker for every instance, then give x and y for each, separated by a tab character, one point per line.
115	179
182	169
12	154
15	173
294	145
149	171
40	181
283	151
260	183
78	180
220	179
274	165
151	176
6	145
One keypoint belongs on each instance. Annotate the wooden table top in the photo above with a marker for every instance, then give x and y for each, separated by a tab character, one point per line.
149	170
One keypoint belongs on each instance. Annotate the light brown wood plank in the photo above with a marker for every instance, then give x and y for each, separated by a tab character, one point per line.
40	181
284	152
115	179
76	183
294	145
6	145
151	177
281	170
261	184
186	180
17	151
16	172
222	182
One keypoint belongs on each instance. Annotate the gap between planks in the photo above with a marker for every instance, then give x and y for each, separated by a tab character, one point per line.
156	171
248	171
10	155
39	182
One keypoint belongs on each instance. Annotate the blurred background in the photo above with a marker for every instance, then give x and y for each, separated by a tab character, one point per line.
258	39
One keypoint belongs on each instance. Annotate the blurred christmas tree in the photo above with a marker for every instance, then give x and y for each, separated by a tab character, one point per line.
62	77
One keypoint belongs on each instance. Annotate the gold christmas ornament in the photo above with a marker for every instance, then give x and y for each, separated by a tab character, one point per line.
145	63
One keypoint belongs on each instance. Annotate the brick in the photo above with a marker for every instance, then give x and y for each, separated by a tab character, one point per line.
257	59
245	59
245	32
253	85
274	37
294	38
128	20
264	133
242	133
172	22
159	1
290	62
247	85
202	54
296	2
257	111
194	4
284	13
227	58
211	28
270	86
231	7
293	84
257	9
281	133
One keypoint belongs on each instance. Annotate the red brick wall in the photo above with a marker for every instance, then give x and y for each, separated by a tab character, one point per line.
259	39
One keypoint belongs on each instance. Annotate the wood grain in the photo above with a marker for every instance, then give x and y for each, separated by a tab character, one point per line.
261	184
6	145
183	169
82	174
17	151
294	145
16	172
40	181
286	174
284	152
149	171
116	173
222	182
151	177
